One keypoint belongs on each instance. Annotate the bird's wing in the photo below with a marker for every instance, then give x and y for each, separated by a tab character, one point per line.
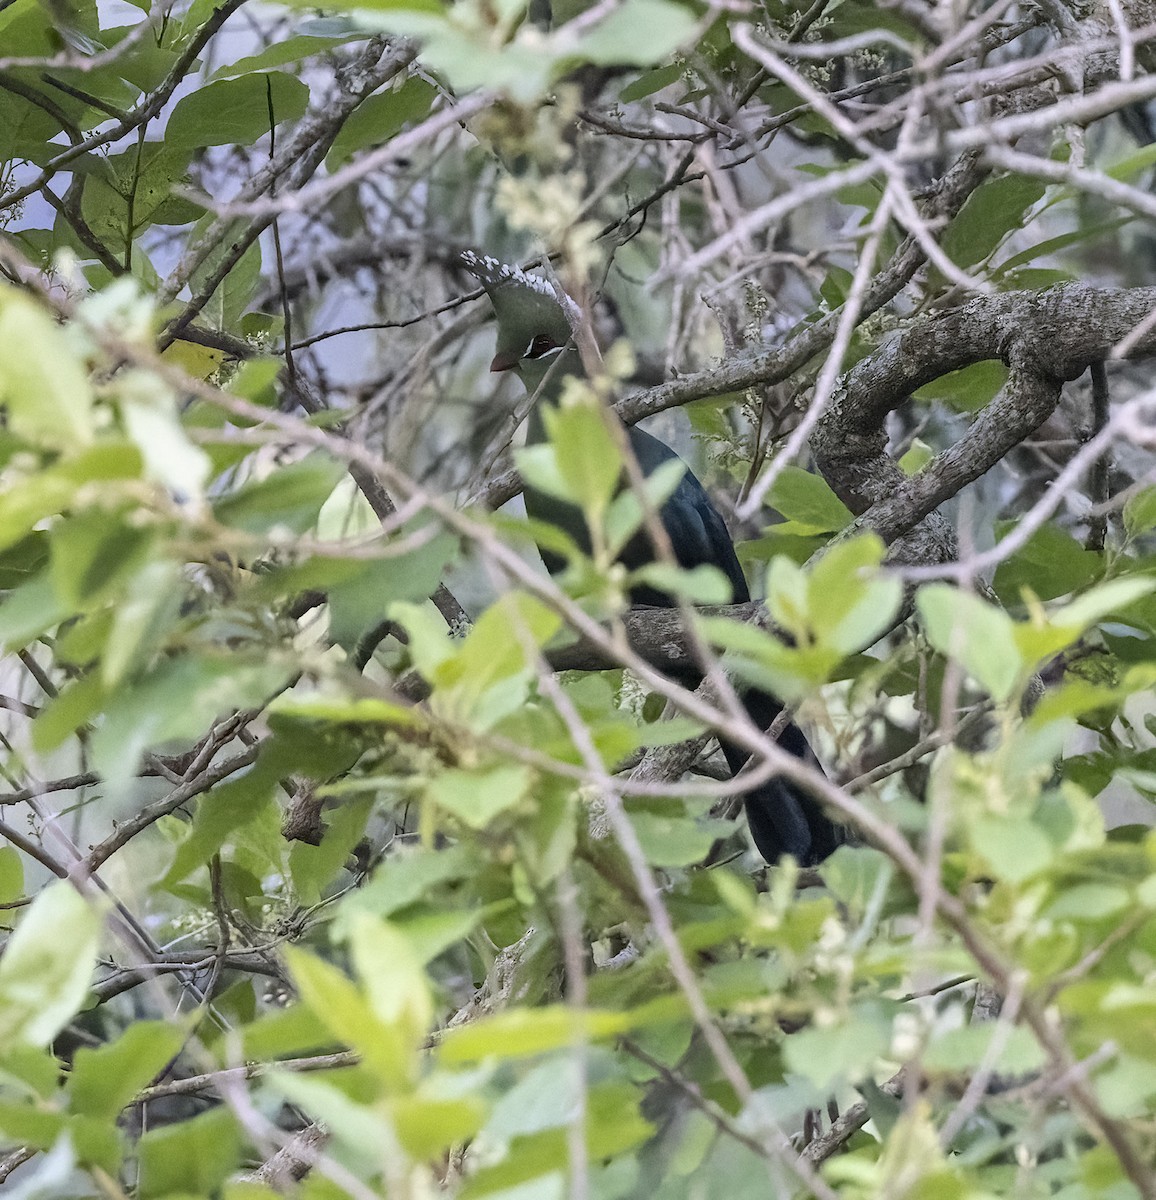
697	533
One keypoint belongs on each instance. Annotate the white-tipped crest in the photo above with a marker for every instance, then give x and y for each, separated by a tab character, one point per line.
492	272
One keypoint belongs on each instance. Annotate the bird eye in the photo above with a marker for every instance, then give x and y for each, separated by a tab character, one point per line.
542	344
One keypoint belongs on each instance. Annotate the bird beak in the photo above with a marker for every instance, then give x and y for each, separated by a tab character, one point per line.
504	360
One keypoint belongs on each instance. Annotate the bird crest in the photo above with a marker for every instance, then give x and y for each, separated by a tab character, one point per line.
526	306
493	273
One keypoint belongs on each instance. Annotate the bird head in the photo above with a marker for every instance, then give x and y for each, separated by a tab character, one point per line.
534	335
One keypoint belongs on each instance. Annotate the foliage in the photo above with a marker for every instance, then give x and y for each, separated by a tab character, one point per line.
293	843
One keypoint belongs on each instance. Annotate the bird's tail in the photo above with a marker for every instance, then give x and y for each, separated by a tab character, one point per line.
783	817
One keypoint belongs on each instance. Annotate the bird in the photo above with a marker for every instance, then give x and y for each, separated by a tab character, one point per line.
535	342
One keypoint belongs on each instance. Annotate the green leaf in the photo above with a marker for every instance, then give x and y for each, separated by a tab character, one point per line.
787	596
17	37
289	499
543	1097
73	706
231	294
11	874
1077	697
32	1071
1123	1087
286	1032
839	1052
586	458
849	602
1089	902
676	841
979	636
1051	564
235	111
284	52
477	796
1015	848
1102	600
698	585
256	379
523	1032
339	711
28	502
1133	164
46	966
856	874
1049	246
314	868
92	552
21	561
467	55
151	420
430	644
341	1006
915	458
29	611
967	390
1035	278
994	209
639	33
625	515
246	799
149	608
766	661
964	1049
666	733
415	6
650	82
180	698
28	128
44	387
190	1157
359	1128
104	1080
428	1126
40	1128
409	876
837	281
358	602
393	976
379	118
125	193
808	501
1140	512
431	934
488	676
82	642
532	1166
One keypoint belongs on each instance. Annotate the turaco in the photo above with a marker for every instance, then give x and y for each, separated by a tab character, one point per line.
535	342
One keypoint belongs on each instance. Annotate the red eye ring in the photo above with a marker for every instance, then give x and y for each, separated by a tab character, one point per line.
541	344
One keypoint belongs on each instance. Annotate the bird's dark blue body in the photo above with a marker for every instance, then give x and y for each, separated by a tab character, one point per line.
534	340
783	818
